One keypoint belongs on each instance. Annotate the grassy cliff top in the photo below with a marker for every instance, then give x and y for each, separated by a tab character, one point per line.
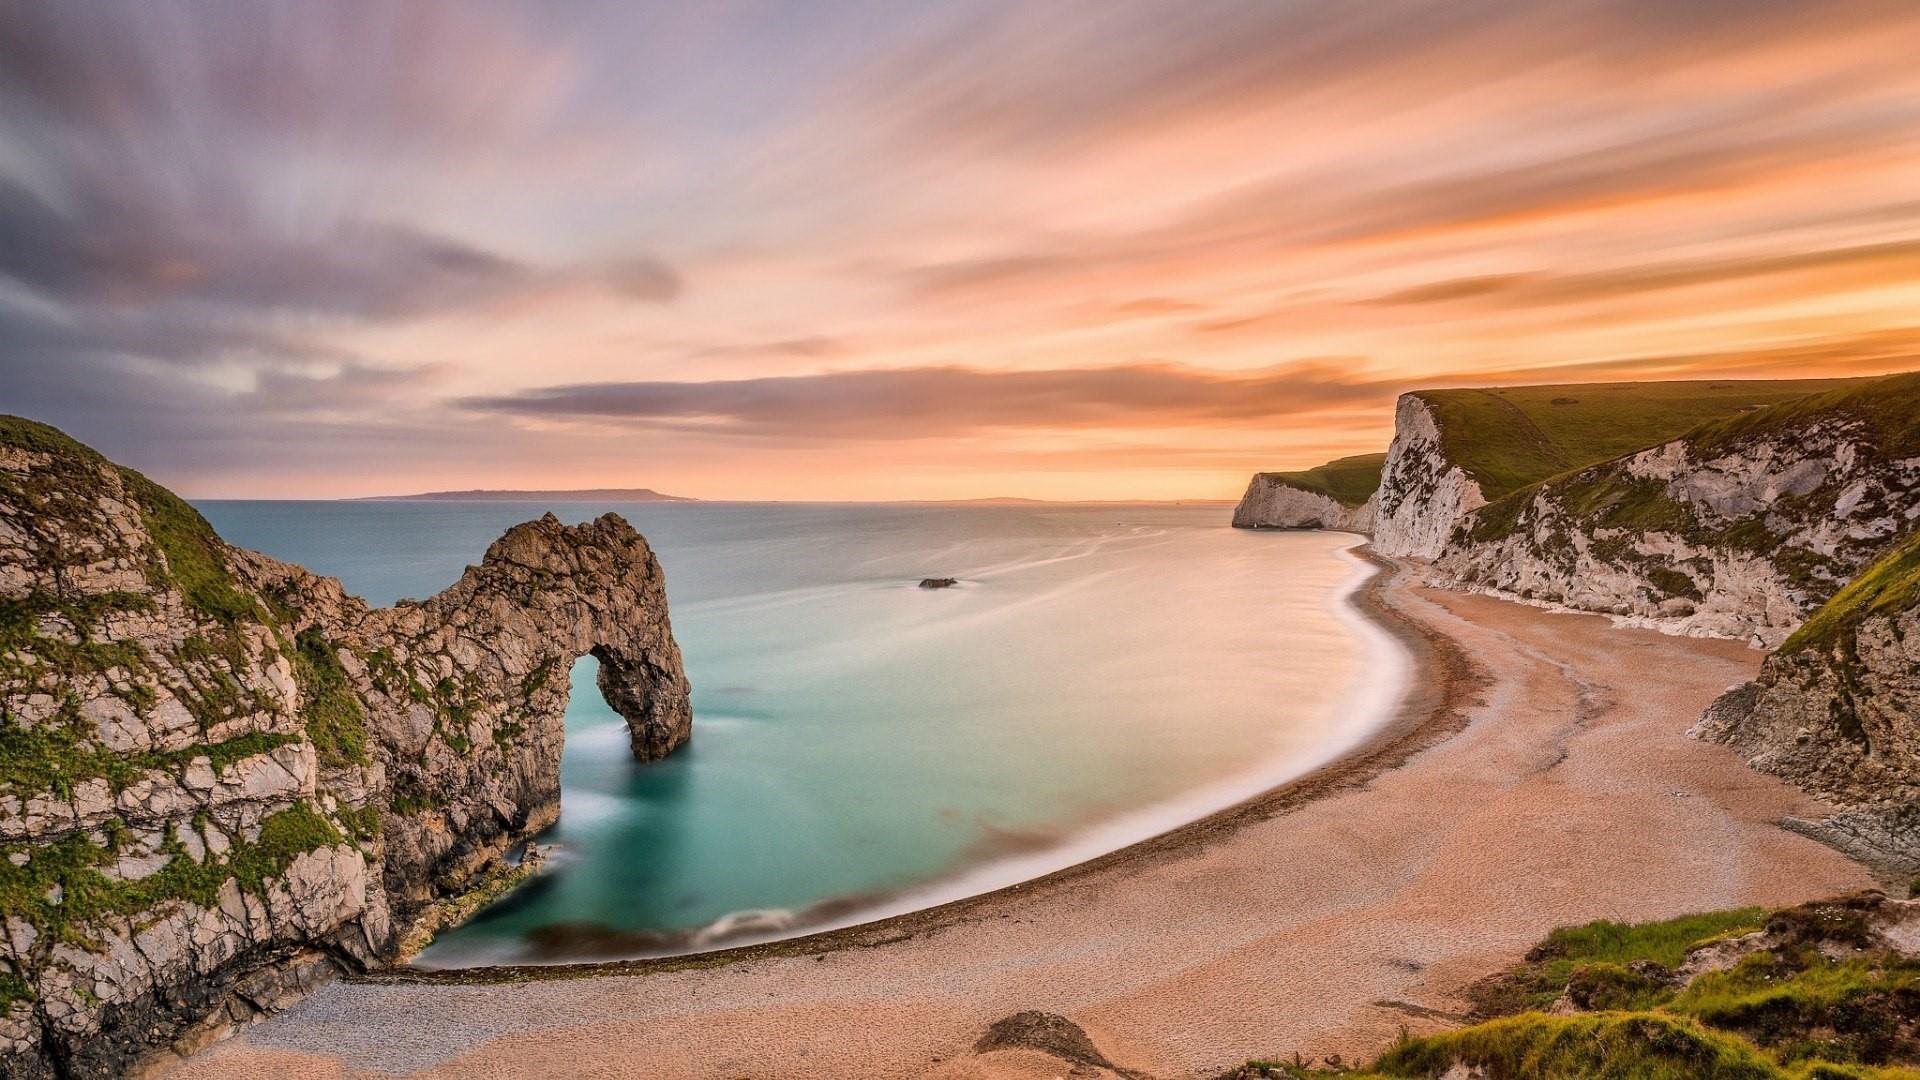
1889	586
20	433
1509	437
1889	406
1349	481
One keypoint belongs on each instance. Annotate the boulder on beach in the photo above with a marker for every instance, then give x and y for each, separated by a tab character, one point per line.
938	583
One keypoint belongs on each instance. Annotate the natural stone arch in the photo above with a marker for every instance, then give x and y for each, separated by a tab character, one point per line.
502	640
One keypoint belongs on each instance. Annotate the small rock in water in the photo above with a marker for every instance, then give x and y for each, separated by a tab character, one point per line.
938	583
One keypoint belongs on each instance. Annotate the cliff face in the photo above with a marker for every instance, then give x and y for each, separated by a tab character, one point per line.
1271	502
1738	529
1337	495
1423	491
1837	711
1455	450
222	778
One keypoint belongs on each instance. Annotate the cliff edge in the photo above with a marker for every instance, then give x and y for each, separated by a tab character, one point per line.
1739	528
1836	710
1337	495
223	779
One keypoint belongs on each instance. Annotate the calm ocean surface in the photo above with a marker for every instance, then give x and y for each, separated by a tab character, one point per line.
862	746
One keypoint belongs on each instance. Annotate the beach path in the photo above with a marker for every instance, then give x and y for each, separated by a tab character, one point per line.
1540	777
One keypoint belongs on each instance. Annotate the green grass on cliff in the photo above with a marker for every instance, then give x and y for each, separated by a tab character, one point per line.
1603	496
335	721
195	555
1349	481
1889	407
57	756
1589	1046
1606	945
1509	437
1889	586
21	433
61	890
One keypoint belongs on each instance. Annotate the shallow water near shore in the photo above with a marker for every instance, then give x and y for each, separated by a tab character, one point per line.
862	746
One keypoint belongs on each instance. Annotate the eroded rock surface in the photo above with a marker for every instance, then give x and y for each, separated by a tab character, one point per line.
1738	530
1837	711
223	779
1423	492
1272	503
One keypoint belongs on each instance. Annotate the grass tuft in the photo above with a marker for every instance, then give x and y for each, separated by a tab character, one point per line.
335	720
1888	586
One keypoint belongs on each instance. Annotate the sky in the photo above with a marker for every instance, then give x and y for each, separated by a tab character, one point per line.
848	250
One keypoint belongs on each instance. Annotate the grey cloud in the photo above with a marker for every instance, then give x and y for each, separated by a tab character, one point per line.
159	189
929	401
122	246
350	386
370	70
644	279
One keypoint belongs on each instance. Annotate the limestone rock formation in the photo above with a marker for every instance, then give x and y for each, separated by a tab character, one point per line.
1424	492
1455	450
1271	502
1737	529
1338	495
223	779
1837	711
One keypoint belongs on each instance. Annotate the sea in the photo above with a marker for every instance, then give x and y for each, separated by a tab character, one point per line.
864	747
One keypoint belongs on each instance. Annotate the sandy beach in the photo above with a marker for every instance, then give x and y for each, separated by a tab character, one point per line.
1538	775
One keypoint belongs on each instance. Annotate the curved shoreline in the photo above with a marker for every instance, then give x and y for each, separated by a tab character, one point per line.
1436	679
1539	775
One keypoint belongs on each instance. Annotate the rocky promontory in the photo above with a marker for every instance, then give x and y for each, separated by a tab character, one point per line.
1727	509
1337	496
1783	514
223	779
1836	710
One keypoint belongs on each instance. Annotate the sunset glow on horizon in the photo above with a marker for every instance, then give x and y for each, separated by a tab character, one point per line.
895	251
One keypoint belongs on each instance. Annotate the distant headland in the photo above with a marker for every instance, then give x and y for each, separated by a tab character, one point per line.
515	495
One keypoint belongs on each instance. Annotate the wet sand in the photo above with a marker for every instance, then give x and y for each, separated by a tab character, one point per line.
1538	775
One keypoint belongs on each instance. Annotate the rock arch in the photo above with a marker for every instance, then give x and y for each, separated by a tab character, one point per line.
502	640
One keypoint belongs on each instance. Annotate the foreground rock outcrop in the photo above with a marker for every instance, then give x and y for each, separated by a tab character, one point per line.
1836	710
223	779
1824	990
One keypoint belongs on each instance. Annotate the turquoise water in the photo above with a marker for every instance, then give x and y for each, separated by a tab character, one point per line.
864	746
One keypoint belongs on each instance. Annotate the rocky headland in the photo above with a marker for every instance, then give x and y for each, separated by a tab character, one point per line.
223	779
1336	496
1788	518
